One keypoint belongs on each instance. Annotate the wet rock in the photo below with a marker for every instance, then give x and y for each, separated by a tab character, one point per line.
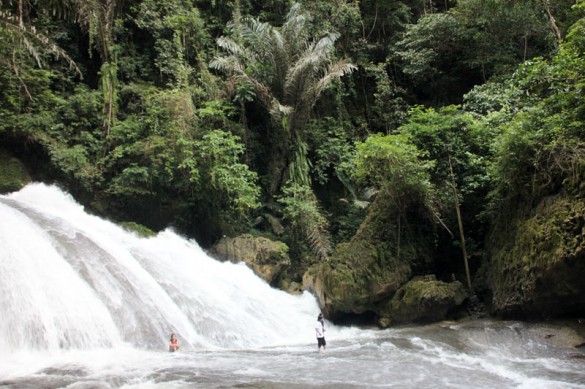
291	287
576	356
267	258
558	334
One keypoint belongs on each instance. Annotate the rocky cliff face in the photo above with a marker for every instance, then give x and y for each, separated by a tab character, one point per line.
366	274
535	266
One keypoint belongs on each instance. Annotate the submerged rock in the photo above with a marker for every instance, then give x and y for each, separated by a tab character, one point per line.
267	258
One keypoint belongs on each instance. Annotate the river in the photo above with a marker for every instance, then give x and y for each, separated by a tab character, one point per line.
86	304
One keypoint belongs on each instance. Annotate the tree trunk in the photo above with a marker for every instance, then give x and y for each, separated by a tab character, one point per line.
552	22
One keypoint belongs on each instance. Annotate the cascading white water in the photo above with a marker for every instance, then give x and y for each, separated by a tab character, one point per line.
70	280
85	304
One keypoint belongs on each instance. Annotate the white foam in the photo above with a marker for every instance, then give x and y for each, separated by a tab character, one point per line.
88	283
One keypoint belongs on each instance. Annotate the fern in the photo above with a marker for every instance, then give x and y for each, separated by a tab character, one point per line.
302	210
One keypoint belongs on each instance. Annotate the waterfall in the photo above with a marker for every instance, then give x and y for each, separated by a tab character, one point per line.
71	280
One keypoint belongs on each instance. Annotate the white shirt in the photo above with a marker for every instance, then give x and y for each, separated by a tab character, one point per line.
320	329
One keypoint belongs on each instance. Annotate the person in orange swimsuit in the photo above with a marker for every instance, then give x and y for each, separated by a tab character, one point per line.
173	344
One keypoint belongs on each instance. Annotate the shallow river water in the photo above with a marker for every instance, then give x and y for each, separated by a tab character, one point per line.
478	354
85	304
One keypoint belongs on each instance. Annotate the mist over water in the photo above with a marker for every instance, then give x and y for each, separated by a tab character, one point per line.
86	304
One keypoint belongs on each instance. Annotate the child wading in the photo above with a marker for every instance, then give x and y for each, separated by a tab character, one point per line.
320	332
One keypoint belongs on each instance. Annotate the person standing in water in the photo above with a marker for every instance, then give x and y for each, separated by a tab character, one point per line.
320	332
173	344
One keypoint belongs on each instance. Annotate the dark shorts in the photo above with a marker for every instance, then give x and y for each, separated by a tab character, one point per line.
321	342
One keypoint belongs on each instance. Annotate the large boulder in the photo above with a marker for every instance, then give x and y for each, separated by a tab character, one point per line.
13	174
422	299
356	279
536	264
384	254
267	258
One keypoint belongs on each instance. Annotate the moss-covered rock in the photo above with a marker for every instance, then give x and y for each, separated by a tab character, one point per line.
356	279
383	255
423	299
13	174
139	229
536	267
267	258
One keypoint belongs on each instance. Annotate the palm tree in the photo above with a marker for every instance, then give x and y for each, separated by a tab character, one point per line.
16	25
95	17
288	70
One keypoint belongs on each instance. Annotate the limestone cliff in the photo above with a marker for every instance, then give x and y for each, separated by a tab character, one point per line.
365	273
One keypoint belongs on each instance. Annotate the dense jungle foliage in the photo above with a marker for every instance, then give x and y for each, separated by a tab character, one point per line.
287	119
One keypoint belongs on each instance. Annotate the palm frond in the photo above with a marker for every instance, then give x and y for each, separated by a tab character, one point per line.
229	64
295	10
256	34
279	48
281	58
295	21
318	237
60	8
230	46
35	42
327	43
335	72
222	64
302	208
316	227
306	66
279	111
294	30
312	60
263	93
